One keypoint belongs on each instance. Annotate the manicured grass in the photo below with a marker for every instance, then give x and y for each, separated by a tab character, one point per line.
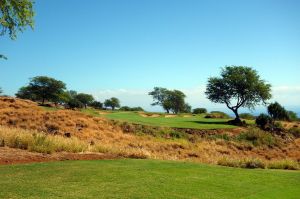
195	122
130	178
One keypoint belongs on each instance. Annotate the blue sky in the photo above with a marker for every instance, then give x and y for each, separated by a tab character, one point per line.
124	48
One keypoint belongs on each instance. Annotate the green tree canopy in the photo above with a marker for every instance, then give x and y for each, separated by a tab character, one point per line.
15	16
199	110
85	99
25	92
42	88
277	112
112	102
238	86
170	100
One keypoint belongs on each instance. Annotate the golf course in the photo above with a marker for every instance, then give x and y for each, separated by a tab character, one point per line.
129	178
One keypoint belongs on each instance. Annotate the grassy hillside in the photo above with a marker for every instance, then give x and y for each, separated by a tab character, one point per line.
177	121
144	179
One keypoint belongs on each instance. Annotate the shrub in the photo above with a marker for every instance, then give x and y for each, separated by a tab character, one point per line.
295	132
247	116
243	163
263	120
258	137
284	164
199	110
253	163
277	112
39	142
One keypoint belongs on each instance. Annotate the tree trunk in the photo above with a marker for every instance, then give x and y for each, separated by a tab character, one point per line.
237	117
43	101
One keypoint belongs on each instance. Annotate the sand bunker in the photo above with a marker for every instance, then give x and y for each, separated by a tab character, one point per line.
168	116
149	115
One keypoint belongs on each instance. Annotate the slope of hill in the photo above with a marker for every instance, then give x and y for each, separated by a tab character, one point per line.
110	138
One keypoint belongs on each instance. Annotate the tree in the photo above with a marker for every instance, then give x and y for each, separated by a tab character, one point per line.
199	111
42	88
277	112
187	108
238	86
170	100
75	103
96	105
112	102
1	90
176	100
15	16
85	99
160	96
25	92
127	108
292	116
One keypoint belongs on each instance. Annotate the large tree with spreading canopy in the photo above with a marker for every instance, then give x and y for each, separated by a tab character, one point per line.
238	86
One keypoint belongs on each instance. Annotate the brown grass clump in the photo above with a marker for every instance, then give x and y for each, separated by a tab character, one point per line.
27	115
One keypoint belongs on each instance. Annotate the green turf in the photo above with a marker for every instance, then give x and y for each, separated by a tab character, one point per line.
144	179
195	122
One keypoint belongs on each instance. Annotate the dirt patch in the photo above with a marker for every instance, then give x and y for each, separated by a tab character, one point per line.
17	156
149	115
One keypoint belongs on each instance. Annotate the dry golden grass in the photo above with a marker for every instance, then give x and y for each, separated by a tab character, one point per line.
44	131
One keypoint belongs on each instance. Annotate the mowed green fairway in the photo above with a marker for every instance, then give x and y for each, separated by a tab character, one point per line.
195	122
129	178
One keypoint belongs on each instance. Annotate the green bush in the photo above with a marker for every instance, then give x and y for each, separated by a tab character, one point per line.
199	110
258	137
263	121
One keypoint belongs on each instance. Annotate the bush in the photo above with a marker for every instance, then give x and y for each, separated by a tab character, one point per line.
263	121
247	116
284	164
277	112
199	110
258	137
39	142
243	163
295	132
